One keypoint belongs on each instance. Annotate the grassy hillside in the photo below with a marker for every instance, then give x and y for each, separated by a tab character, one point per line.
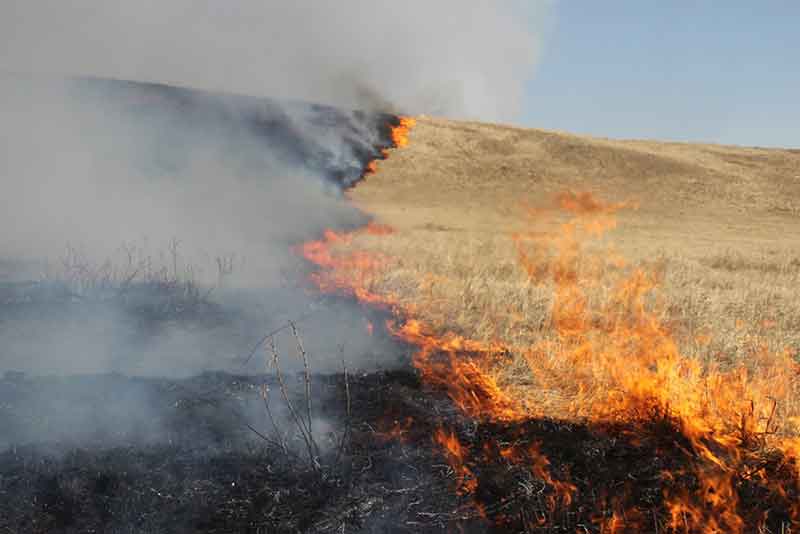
719	224
473	177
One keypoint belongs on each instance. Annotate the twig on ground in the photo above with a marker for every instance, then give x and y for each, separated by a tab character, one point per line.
266	439
346	433
307	375
307	437
265	396
271	334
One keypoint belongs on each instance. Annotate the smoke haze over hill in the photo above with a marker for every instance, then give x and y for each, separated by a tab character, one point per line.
467	59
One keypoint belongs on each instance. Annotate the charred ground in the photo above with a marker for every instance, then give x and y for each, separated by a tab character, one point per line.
235	483
391	477
114	453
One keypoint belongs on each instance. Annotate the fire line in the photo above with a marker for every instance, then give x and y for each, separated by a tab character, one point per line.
613	362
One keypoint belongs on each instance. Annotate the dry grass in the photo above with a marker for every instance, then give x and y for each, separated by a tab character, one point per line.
474	285
720	224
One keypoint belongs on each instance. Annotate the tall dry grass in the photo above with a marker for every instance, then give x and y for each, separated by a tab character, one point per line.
724	309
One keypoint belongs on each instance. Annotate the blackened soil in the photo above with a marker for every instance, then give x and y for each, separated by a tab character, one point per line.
196	466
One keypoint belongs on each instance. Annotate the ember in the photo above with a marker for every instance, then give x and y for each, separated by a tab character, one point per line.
466	483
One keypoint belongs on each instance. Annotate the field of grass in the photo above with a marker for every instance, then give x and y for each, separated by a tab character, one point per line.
722	223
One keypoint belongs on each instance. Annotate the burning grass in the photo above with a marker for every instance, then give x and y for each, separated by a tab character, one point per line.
554	323
564	388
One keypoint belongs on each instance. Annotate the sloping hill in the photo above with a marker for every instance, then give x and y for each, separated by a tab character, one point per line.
722	224
474	177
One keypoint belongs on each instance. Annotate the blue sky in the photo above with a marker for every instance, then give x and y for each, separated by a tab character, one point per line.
716	71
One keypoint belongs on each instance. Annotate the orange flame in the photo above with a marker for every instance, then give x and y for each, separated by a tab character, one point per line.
399	135
623	364
539	465
465	481
401	132
445	361
349	274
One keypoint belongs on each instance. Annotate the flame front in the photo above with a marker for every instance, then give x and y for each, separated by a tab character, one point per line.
401	132
352	274
607	361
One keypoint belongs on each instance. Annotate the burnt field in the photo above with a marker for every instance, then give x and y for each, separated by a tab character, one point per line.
207	464
209	471
133	303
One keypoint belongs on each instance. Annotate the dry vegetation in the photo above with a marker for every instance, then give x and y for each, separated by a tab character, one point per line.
720	225
645	292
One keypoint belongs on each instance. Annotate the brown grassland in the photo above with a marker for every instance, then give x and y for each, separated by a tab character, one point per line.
719	224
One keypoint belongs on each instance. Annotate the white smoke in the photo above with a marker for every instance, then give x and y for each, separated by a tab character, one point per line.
79	167
465	58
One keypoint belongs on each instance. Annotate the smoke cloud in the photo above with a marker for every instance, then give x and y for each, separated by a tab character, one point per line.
460	58
124	197
120	180
147	230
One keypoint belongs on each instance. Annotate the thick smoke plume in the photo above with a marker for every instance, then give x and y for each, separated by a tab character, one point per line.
147	230
132	181
454	57
115	188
